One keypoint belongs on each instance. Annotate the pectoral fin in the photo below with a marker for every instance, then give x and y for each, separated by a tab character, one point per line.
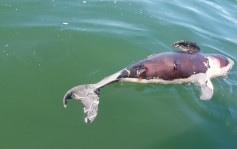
206	90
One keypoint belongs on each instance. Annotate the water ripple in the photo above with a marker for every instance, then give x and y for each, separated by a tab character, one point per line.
105	25
216	6
220	10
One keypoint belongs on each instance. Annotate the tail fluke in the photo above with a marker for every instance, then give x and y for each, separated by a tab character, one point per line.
89	97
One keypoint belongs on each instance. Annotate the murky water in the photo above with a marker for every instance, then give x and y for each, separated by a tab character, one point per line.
49	46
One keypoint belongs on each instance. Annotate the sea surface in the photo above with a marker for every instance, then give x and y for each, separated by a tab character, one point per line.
50	46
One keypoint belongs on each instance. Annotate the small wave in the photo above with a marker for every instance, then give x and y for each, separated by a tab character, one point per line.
111	25
221	10
216	6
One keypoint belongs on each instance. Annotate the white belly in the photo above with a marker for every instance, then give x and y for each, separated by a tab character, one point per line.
192	79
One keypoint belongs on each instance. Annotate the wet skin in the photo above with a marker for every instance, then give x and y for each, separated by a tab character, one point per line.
171	65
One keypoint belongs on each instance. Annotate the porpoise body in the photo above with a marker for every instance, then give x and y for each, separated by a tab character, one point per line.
186	66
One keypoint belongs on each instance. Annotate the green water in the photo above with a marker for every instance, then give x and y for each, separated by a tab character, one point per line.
49	46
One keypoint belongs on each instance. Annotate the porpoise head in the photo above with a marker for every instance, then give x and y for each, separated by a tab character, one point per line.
219	65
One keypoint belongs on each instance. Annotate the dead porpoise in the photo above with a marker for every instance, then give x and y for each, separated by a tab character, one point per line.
175	67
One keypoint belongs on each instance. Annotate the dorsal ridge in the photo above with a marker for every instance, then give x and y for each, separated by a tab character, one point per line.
186	46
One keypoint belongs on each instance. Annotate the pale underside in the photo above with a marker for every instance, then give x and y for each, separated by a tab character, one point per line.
200	79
